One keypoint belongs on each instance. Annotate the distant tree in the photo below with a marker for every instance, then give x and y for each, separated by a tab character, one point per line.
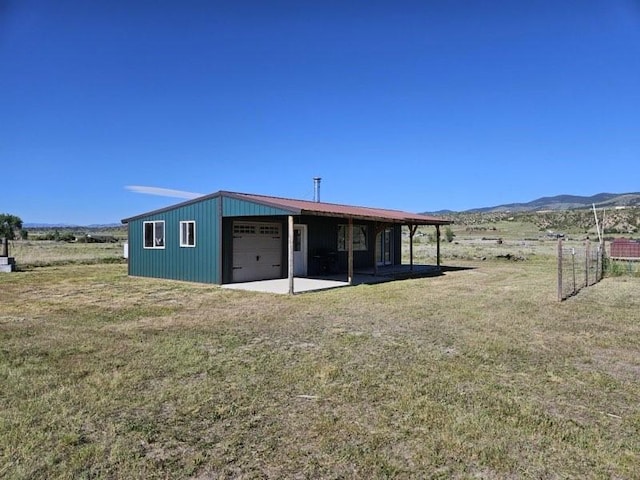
448	234
10	225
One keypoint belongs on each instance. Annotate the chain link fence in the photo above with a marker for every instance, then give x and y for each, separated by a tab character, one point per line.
579	266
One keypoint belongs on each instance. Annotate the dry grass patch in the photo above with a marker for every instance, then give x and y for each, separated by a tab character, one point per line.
32	253
478	373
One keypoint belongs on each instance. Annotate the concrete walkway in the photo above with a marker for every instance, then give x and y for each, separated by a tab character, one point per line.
281	285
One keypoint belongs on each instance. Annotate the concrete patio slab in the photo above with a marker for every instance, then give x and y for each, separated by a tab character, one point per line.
306	284
281	285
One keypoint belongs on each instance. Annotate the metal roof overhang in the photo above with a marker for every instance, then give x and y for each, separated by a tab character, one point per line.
376	218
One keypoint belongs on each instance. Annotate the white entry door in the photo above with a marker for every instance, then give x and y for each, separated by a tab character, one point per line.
300	250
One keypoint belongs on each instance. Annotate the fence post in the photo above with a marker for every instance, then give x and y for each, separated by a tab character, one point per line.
559	269
573	268
587	253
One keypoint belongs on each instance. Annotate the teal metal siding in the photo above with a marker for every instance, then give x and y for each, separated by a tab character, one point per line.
234	207
227	248
197	264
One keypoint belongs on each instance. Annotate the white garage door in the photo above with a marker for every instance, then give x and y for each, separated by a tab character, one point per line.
257	251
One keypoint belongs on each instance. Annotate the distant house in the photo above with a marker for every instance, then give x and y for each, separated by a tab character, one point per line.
228	237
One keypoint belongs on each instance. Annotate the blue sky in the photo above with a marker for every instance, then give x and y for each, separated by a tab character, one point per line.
423	105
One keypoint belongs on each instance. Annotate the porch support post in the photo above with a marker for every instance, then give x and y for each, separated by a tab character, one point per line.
350	247
376	229
438	245
290	254
412	232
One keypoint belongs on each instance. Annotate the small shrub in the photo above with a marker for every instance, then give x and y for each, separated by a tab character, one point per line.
448	234
112	260
56	236
618	269
66	237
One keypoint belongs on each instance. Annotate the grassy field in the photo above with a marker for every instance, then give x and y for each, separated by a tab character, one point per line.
39	253
478	373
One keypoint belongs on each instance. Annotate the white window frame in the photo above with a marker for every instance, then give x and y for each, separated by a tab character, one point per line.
158	242
184	229
360	238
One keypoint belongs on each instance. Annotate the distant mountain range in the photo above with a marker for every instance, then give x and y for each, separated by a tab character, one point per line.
561	202
65	225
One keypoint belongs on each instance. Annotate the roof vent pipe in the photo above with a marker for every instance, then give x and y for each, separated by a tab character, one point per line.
316	189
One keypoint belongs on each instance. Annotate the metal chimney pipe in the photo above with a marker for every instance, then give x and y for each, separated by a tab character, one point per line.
316	189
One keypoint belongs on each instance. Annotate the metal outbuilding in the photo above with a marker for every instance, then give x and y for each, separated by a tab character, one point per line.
229	237
625	249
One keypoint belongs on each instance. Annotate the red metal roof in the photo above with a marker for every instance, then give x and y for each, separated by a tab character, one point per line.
308	207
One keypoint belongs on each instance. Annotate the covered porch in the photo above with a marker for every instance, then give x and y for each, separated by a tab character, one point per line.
375	273
291	239
398	272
